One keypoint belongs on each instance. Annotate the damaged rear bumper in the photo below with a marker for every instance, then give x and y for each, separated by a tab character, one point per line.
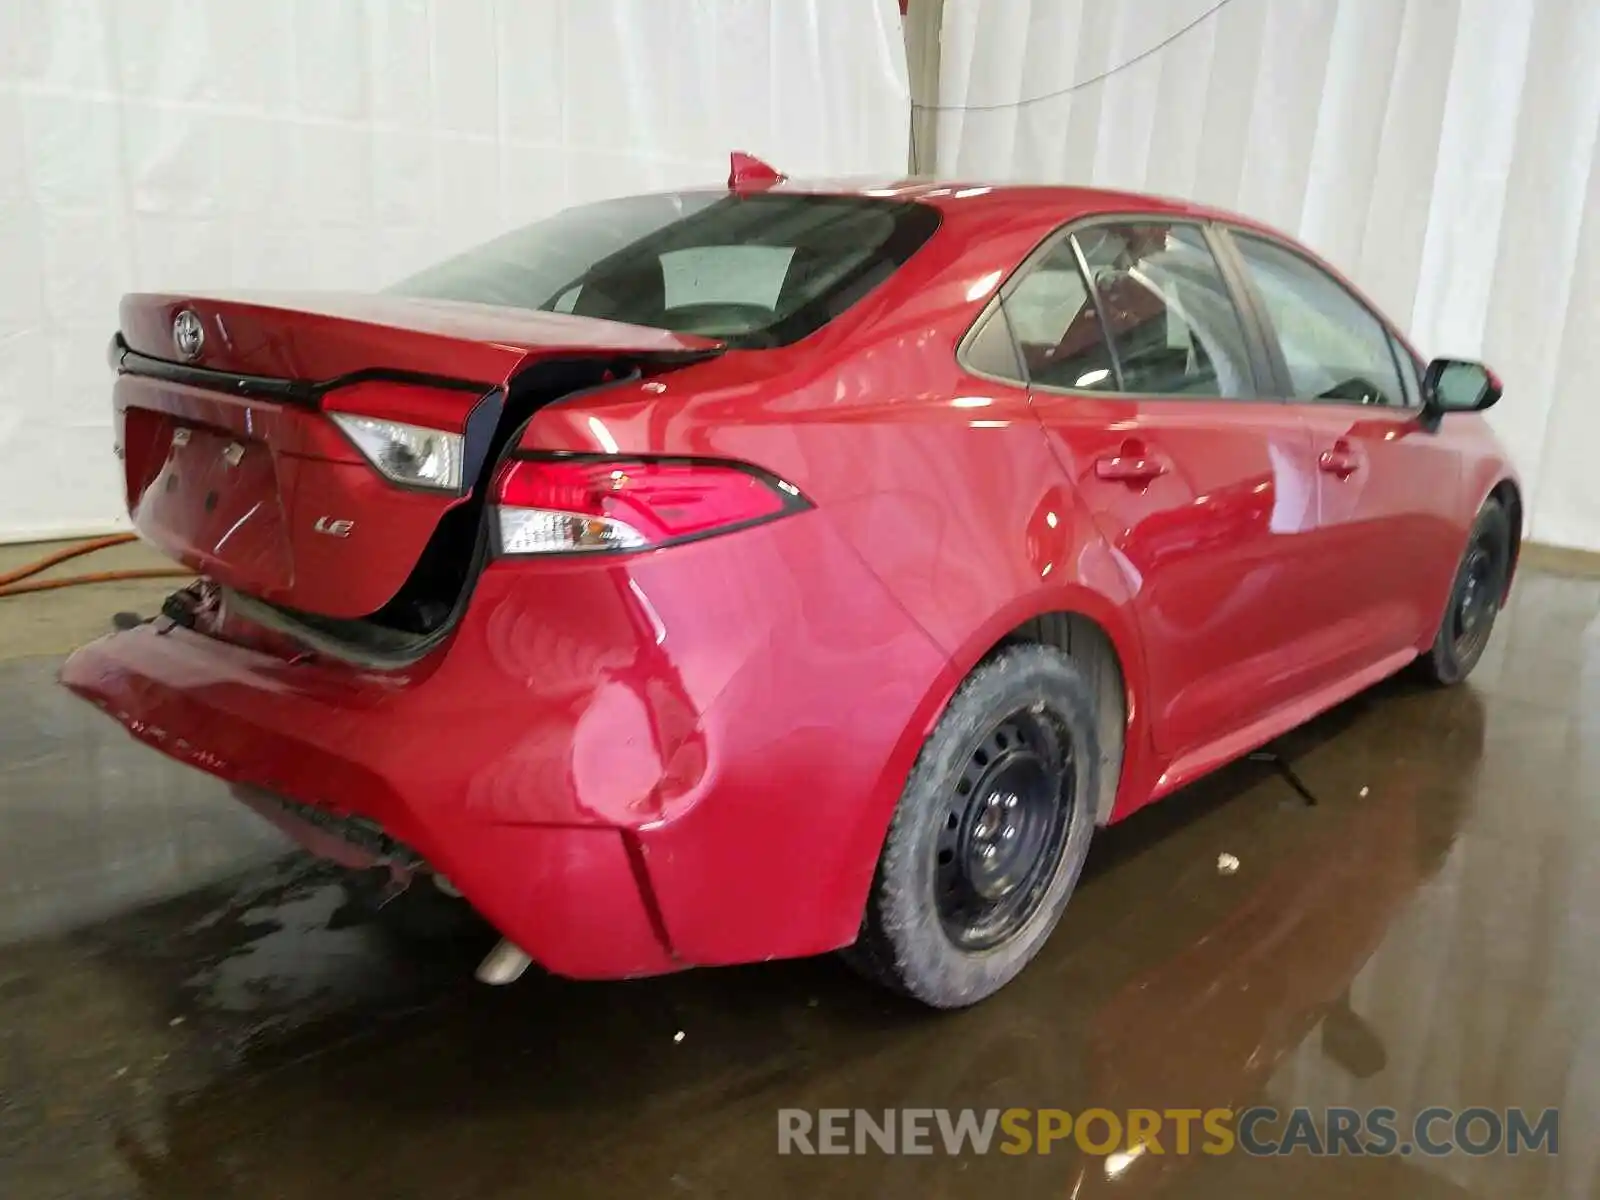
570	896
628	766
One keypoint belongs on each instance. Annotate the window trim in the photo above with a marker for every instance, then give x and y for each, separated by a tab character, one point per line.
987	313
1411	371
992	310
1228	233
1092	290
1259	362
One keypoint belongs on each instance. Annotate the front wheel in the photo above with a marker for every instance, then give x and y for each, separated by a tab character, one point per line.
1475	597
990	834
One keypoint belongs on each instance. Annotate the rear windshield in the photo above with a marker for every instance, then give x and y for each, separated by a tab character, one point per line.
753	271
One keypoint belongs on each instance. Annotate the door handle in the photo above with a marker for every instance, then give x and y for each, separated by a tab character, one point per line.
1340	460
1130	466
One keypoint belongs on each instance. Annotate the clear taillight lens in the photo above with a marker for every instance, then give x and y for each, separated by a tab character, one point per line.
410	454
566	505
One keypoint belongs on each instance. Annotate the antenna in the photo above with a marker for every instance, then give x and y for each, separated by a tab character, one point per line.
747	173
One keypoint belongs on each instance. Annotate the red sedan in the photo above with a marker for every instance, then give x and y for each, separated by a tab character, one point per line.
740	574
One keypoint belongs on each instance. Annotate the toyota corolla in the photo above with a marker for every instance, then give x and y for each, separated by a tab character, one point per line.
772	569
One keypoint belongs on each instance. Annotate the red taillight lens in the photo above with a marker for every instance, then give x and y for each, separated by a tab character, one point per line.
559	505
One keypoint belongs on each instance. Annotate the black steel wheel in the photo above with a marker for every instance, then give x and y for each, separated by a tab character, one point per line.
1476	600
1006	823
990	834
1475	597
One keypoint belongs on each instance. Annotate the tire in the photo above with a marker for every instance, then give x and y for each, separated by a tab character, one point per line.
990	834
1475	595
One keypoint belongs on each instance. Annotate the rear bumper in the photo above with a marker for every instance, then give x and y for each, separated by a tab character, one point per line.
629	767
568	896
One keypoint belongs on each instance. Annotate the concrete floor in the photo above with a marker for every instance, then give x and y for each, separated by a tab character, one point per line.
185	1012
56	621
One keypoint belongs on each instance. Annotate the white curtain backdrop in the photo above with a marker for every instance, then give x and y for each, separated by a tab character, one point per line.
202	144
1441	152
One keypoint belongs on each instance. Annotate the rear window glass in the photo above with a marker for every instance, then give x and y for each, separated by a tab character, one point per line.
753	271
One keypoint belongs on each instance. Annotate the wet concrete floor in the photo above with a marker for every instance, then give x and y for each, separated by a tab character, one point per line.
186	1012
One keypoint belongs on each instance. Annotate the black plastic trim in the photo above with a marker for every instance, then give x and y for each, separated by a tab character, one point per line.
478	436
790	497
361	832
309	393
1091	289
131	362
305	392
1260	337
445	383
402	649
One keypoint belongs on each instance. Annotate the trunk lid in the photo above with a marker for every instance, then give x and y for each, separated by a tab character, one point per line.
234	466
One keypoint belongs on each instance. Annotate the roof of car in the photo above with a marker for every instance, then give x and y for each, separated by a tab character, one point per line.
1060	201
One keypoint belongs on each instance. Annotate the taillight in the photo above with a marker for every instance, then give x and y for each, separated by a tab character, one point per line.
560	505
410	454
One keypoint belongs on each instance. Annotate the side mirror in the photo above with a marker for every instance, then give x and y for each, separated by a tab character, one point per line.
1457	385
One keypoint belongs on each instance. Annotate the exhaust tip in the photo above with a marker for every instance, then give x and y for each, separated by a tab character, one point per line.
505	964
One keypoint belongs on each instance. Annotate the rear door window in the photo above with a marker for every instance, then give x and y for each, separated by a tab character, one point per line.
1057	328
1153	317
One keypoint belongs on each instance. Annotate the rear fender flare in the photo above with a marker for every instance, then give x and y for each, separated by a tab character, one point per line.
1117	622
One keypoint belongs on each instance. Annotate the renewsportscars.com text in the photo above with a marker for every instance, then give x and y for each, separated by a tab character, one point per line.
1259	1131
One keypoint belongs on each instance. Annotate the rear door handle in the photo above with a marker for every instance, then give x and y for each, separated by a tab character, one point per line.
1139	467
1341	460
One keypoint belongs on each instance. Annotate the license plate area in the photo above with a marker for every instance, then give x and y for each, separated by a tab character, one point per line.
215	503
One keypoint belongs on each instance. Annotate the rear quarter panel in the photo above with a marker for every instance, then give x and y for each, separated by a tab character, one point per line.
945	487
944	482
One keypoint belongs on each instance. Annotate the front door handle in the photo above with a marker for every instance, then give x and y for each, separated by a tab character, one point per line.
1340	460
1133	464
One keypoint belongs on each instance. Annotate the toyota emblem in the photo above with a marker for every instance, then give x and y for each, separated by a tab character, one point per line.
188	335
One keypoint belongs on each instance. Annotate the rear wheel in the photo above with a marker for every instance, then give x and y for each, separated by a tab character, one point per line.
990	834
1475	596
